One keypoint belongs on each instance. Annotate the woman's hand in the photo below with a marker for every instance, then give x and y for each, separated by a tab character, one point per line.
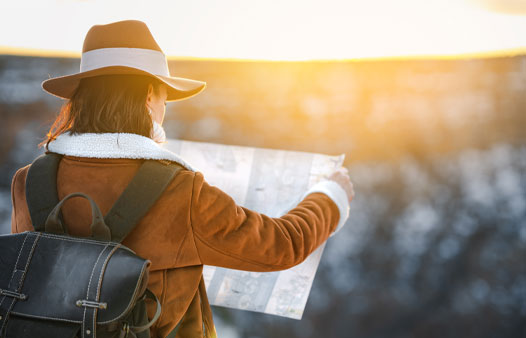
341	176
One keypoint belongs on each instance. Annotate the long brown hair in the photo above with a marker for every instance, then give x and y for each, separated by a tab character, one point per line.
106	104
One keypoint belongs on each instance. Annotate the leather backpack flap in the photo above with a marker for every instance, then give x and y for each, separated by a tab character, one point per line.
63	270
15	253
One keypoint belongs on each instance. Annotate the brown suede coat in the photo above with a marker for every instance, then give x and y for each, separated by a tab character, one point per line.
193	223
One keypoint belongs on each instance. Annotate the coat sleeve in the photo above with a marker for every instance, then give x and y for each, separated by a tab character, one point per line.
232	236
20	220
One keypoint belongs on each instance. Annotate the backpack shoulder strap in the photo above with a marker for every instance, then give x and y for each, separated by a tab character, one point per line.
41	188
140	194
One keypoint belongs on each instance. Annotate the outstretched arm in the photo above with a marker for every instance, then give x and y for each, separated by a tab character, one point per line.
232	236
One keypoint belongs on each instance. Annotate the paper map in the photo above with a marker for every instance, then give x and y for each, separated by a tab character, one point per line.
270	182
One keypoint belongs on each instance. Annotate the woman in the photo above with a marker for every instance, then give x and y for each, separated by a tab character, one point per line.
111	121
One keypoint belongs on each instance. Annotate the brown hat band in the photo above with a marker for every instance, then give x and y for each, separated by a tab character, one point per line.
149	60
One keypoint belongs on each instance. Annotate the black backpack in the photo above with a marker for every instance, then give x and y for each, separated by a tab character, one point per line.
53	285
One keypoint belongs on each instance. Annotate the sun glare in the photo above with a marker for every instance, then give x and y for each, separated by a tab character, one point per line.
279	30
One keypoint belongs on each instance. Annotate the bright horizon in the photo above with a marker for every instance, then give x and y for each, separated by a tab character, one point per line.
278	30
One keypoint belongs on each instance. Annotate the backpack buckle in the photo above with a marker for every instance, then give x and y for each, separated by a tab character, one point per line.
13	294
126	327
92	304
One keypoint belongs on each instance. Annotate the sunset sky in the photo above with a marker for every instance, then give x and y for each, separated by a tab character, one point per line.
276	29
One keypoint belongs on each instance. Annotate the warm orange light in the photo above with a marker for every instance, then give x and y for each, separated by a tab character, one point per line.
289	30
37	52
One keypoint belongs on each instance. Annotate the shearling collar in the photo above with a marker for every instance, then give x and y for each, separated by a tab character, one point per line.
113	145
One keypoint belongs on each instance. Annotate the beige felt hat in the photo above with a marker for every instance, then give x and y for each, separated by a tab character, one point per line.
123	47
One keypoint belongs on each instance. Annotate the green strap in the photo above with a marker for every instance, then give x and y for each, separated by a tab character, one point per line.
140	194
41	188
149	294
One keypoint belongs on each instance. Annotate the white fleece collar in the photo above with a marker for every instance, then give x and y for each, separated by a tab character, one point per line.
113	145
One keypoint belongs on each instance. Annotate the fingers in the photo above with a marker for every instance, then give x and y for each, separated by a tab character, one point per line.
341	176
344	171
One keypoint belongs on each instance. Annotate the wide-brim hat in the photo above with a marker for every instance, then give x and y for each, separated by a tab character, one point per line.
123	47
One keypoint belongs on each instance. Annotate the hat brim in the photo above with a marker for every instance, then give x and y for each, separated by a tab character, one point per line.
177	88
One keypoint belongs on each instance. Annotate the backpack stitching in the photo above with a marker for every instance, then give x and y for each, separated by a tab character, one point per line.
99	285
131	301
12	274
87	292
21	281
10	307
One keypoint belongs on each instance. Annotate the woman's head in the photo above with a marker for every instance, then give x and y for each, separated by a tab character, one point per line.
117	103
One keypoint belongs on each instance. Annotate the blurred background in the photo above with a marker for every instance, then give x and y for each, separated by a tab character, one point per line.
426	99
